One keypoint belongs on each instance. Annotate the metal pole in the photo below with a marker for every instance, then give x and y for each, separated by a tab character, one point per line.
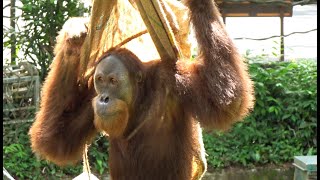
281	37
13	28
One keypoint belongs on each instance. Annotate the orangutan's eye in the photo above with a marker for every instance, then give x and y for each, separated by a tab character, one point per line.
99	78
113	80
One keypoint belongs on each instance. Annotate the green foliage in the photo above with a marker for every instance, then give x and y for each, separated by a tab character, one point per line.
98	156
283	123
21	163
43	19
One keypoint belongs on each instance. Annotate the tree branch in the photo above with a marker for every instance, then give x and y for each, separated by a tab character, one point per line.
6	6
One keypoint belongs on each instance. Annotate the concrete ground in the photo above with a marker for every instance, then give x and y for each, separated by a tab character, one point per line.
296	46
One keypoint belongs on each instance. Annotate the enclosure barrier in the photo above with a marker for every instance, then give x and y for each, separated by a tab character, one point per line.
21	86
305	167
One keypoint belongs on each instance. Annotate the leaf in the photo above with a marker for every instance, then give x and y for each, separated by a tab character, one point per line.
260	103
271	109
286	116
303	125
257	156
310	151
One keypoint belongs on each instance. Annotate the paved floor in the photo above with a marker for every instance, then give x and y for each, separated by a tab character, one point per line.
296	46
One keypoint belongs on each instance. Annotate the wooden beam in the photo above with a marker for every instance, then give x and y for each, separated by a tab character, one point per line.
159	29
245	9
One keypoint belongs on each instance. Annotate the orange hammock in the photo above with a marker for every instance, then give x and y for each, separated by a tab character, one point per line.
151	29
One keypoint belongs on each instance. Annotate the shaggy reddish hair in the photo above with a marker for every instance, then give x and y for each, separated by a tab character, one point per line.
171	103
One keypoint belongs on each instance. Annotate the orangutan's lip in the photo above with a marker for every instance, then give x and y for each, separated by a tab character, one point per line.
104	114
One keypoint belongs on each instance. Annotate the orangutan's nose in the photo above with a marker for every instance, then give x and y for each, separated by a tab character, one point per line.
104	98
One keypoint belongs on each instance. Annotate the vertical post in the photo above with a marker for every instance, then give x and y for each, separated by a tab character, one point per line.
224	19
13	28
281	37
36	91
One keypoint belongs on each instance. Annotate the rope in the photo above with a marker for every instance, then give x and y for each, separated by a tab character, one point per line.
260	39
86	166
131	38
136	129
6	173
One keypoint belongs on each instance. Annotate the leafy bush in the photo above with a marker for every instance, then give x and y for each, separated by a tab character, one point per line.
283	123
21	163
